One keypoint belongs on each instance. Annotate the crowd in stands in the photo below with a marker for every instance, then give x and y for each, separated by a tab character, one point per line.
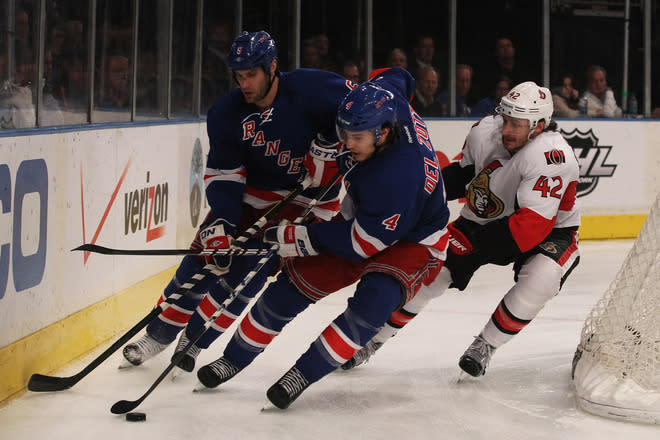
66	75
479	88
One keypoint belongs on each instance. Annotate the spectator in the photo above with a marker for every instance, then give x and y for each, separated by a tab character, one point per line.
423	55
424	101
488	105
503	62
22	28
216	72
74	81
323	45
351	71
16	98
310	57
146	95
114	87
565	98
463	85
51	113
397	58
600	98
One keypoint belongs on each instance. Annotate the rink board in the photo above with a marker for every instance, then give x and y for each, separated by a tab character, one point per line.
140	186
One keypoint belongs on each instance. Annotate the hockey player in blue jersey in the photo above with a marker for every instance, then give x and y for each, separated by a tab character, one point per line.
265	136
390	235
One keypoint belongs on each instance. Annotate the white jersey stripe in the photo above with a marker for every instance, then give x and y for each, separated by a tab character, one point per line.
215	175
364	245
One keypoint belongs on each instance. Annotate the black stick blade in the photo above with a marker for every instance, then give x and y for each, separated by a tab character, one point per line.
40	382
124	406
93	248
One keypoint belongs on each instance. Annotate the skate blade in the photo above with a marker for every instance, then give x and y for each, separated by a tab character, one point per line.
200	388
268	406
176	372
463	377
124	364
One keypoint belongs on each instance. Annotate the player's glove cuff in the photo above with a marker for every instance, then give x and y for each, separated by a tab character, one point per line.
218	235
459	243
321	163
293	240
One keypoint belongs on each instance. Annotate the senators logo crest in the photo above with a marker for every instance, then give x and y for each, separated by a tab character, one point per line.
549	247
481	200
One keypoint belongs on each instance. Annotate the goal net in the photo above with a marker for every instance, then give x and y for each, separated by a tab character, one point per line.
616	369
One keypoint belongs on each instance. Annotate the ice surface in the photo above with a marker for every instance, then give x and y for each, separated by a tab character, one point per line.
408	390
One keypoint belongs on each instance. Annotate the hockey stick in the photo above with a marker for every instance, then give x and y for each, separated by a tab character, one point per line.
245	236
151	252
124	406
41	382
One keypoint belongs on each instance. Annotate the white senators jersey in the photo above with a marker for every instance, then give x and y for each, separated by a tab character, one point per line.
536	185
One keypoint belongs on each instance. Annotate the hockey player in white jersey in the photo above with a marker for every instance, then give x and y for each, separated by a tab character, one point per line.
519	176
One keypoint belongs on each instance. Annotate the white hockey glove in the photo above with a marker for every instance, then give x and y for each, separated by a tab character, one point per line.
321	163
217	235
293	240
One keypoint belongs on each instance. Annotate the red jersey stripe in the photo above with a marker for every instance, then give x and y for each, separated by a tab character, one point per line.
253	333
342	348
529	228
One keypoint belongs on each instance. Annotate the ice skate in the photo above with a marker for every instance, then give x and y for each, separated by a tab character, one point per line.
187	361
215	373
287	389
362	355
140	351
475	359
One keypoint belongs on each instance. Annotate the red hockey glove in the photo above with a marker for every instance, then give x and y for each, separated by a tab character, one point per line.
320	162
293	240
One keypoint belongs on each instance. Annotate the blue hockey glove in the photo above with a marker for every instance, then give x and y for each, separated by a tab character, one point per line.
293	240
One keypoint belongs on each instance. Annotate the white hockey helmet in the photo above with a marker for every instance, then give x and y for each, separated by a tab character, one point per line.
527	101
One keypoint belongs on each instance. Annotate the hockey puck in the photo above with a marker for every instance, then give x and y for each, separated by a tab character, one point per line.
136	417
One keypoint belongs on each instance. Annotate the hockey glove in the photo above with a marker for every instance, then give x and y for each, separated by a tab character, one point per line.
293	240
459	242
320	162
497	242
217	235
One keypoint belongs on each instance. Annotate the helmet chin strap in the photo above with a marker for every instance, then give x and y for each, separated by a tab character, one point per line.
271	78
531	131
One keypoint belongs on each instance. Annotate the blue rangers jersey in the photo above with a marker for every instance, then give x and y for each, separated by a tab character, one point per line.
397	194
256	154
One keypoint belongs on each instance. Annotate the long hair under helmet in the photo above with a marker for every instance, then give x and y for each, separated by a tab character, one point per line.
367	107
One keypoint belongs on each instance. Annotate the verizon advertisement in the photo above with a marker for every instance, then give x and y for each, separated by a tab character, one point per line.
116	188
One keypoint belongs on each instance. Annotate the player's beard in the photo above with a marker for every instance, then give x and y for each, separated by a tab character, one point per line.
256	96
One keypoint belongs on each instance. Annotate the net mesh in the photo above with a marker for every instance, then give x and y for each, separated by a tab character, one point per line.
621	336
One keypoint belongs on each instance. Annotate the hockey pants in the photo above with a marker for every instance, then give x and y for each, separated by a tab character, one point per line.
376	297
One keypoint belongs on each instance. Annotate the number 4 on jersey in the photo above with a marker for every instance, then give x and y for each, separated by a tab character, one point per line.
390	223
